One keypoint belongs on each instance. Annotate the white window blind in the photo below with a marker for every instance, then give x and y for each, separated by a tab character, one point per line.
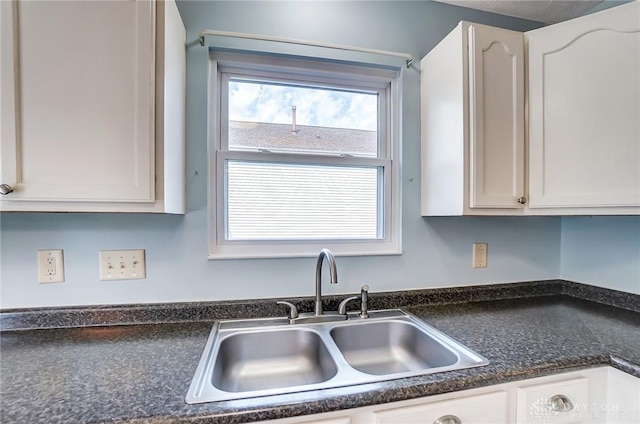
275	201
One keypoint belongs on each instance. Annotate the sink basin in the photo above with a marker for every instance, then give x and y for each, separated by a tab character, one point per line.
262	357
390	347
262	360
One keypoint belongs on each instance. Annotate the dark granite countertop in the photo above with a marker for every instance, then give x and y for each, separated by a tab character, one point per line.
140	373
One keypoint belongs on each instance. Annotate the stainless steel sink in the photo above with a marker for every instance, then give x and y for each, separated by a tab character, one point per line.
251	358
261	360
391	347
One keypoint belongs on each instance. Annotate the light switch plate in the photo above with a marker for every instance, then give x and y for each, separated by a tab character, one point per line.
122	265
50	266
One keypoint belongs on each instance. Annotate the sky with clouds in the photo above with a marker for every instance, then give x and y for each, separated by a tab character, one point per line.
271	103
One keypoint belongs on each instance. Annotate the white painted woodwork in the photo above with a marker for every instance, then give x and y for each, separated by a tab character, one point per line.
472	123
600	395
584	113
496	102
170	106
484	408
623	398
84	101
93	117
534	402
338	420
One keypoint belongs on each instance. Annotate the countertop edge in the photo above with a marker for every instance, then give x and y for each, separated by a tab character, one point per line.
135	314
625	365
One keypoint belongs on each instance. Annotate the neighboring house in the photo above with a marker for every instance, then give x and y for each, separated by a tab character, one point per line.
282	137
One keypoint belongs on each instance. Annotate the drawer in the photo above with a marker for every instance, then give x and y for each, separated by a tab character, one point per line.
311	419
561	402
490	408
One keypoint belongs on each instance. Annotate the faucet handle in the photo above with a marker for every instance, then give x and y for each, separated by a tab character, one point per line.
364	302
342	308
293	311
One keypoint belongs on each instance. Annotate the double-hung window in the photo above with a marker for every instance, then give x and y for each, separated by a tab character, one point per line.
303	155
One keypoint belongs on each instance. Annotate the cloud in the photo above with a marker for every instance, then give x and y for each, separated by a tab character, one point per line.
271	103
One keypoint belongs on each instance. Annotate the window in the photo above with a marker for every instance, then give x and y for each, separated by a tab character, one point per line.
304	156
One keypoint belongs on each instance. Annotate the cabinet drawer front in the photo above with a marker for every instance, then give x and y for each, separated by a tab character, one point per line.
535	403
488	408
339	420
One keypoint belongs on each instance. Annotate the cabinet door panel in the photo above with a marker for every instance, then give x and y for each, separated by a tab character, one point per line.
83	108
584	109
496	130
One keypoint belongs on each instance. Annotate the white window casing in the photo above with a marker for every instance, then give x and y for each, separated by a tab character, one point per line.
232	235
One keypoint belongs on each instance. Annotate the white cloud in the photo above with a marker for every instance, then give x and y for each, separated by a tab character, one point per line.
257	102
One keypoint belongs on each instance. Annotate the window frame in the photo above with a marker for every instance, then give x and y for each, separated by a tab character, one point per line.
225	66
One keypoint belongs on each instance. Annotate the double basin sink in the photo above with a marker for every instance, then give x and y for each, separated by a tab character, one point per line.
261	357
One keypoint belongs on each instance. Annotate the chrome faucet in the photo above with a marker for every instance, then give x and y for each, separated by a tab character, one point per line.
324	253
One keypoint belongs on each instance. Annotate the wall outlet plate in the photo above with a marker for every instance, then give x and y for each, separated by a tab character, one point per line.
122	265
480	255
50	266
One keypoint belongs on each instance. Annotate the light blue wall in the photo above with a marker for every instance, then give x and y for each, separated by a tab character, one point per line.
603	251
437	251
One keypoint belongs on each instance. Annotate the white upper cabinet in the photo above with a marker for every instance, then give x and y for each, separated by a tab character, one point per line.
472	123
584	114
583	90
91	106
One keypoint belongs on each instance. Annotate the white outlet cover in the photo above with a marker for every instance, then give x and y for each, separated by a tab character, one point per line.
50	266
480	251
122	265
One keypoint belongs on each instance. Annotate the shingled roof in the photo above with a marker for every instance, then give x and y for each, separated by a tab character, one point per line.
280	137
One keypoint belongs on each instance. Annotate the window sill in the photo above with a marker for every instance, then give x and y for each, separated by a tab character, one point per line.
303	253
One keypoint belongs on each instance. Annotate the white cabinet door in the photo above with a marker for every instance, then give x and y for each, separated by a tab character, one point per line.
490	408
496	114
584	109
623	398
78	100
560	402
472	123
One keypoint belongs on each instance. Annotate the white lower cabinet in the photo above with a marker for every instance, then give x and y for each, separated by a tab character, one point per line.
490	408
623	398
338	420
599	395
557	402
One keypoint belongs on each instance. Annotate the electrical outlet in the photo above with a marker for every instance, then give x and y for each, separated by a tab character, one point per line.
50	266
480	255
122	265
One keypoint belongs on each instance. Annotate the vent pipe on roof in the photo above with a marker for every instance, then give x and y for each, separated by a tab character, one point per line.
293	120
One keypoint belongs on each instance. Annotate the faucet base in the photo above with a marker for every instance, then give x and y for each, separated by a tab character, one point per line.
325	317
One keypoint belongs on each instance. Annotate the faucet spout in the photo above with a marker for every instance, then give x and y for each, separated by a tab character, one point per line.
333	269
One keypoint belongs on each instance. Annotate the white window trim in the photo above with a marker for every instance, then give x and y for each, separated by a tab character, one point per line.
390	152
